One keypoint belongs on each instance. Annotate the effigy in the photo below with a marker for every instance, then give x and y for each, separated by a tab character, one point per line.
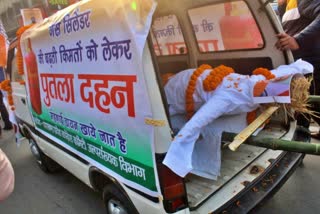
205	102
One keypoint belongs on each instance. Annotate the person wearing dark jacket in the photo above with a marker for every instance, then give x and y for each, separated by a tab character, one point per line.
4	114
301	23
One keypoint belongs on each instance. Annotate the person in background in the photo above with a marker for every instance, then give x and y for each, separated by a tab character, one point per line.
301	23
4	114
6	177
3	110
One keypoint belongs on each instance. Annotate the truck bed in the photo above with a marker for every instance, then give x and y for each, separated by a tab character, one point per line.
199	189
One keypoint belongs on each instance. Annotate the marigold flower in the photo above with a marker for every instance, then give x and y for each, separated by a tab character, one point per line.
189	100
265	72
215	78
259	87
6	86
192	87
251	116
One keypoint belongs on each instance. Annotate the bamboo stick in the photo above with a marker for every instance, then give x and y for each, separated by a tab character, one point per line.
252	127
314	98
277	144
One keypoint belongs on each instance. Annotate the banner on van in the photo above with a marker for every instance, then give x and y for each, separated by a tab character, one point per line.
86	86
59	4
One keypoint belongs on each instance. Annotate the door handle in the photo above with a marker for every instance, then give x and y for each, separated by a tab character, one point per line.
23	100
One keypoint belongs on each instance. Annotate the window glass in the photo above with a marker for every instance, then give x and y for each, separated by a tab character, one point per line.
225	26
167	38
15	76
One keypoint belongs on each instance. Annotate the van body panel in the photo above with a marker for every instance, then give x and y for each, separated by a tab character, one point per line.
19	93
142	204
74	166
20	100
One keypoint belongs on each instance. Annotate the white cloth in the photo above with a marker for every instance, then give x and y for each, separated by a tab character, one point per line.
232	97
206	156
298	67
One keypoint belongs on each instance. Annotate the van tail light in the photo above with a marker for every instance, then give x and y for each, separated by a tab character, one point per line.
173	189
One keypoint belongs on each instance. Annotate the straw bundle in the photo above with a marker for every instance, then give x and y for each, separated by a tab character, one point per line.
299	91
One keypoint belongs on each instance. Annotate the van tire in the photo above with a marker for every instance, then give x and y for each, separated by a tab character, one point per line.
116	201
48	165
45	163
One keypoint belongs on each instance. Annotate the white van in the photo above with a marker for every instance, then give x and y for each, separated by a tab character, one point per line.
94	102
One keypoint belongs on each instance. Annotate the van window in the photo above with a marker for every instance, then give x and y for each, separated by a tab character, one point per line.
167	38
225	26
15	76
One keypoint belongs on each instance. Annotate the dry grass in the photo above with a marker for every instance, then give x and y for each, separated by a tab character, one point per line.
299	97
299	92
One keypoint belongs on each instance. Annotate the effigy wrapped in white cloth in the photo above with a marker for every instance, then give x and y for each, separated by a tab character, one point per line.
222	109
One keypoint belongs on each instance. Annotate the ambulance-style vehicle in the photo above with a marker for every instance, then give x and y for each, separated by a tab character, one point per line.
93	101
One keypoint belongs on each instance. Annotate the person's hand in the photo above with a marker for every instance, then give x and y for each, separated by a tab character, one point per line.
281	2
286	42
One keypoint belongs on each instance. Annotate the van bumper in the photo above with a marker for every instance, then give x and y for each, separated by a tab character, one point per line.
266	185
263	188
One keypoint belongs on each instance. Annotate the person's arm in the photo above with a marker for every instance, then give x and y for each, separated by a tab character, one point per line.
310	33
305	38
6	177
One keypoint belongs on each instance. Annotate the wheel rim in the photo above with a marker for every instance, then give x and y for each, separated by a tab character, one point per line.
35	151
115	207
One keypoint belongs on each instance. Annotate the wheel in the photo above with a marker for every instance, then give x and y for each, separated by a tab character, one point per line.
116	202
302	134
45	163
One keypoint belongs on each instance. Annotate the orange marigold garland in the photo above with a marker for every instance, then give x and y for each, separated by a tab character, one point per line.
5	85
19	52
265	72
215	78
251	116
192	87
258	89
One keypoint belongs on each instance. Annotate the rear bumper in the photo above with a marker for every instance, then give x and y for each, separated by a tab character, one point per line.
265	187
269	182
